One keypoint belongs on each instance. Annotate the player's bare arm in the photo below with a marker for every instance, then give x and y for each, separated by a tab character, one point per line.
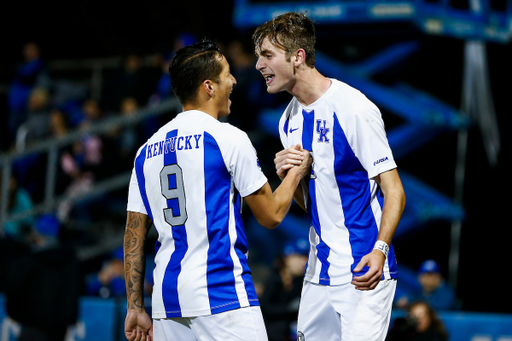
394	203
286	159
138	325
271	208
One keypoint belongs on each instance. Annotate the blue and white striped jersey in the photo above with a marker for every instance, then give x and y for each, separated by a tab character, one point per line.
189	178
345	132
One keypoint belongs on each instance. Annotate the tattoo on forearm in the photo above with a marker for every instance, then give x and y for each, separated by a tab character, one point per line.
137	227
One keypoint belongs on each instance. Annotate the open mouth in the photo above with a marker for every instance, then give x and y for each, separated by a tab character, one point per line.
269	78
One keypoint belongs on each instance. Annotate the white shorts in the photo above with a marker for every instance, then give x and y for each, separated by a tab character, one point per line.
340	312
238	324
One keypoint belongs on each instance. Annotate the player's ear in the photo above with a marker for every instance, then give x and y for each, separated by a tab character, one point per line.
208	87
299	57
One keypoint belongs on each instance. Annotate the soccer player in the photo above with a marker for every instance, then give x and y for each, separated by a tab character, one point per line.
188	180
354	196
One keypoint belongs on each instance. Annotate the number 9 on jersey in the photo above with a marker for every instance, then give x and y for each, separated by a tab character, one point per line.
173	189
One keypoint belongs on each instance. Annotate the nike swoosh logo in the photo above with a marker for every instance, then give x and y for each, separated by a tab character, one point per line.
292	130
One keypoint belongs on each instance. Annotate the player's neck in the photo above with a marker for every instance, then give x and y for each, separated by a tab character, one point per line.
205	107
309	86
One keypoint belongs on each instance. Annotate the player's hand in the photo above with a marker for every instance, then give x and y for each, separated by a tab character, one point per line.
287	158
305	166
138	326
375	261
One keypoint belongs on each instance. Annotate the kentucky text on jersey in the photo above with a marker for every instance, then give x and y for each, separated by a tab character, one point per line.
170	145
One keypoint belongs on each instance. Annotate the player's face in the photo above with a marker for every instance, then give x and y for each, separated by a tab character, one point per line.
278	73
225	87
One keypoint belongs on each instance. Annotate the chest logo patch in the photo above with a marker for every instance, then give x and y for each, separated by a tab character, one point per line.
322	131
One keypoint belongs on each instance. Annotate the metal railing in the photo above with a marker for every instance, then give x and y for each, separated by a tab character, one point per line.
52	146
96	66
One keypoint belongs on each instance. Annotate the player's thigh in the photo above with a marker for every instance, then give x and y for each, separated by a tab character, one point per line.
365	315
318	320
243	324
173	329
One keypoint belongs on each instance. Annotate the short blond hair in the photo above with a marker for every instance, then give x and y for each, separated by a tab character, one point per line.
289	31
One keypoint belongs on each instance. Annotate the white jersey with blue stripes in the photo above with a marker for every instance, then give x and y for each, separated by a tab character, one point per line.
345	132
189	178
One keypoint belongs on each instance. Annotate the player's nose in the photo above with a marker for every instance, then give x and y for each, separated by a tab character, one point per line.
259	64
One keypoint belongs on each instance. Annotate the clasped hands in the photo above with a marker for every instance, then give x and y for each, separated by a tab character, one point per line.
290	157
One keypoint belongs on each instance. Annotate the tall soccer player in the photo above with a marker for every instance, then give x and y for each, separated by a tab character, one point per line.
354	196
188	180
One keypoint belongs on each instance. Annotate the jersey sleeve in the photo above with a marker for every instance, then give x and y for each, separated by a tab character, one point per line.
370	142
245	167
135	203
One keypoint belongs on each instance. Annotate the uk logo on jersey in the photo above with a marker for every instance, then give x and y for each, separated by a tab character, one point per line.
322	130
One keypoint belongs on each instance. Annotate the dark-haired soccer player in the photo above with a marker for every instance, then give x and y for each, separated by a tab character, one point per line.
188	180
354	196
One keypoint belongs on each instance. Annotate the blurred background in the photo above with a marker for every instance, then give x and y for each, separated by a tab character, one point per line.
84	84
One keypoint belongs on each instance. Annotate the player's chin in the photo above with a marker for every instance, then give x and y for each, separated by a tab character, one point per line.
272	90
227	109
274	87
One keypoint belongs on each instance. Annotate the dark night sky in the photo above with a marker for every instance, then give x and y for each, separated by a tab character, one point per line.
90	28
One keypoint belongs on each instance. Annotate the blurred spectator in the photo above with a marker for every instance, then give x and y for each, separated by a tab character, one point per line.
60	128
19	200
37	124
260	273
131	80
129	139
122	143
90	114
247	93
432	288
59	123
281	295
82	114
109	281
163	89
79	164
435	290
30	73
421	324
43	287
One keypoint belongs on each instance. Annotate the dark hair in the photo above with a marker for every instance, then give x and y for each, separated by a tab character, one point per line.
290	31
436	324
191	66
